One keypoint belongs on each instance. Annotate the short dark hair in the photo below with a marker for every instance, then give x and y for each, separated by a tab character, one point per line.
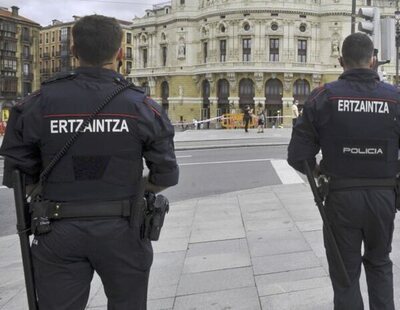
357	50
96	38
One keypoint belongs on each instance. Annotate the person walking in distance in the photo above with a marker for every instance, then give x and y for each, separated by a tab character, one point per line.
355	121
295	112
261	122
96	185
246	117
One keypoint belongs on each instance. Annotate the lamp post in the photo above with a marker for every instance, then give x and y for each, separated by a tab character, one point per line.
397	17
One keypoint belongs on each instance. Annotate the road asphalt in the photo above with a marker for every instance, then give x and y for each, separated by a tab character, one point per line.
252	249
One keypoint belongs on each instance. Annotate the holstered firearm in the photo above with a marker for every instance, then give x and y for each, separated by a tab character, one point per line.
24	230
156	208
343	276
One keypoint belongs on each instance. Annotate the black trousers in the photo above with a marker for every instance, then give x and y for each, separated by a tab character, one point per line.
246	123
65	259
362	216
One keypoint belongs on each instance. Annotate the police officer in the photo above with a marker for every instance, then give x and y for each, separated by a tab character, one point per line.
97	179
355	121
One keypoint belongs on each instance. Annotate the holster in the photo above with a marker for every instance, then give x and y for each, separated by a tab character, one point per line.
40	223
156	208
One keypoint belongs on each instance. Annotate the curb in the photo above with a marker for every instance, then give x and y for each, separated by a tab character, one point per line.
227	146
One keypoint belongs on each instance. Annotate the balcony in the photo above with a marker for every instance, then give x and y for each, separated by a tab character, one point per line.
8	36
46	55
8	94
8	54
44	71
128	57
26	39
27	57
28	76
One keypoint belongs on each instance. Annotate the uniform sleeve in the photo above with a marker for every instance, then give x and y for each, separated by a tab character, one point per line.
20	146
157	133
304	143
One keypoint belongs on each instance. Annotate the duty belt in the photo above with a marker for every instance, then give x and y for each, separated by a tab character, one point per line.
341	184
60	210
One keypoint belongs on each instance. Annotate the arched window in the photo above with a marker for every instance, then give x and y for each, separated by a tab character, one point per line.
273	101
246	93
273	91
165	95
223	95
301	90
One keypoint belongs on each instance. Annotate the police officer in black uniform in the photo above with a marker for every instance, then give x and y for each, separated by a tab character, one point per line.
355	121
101	171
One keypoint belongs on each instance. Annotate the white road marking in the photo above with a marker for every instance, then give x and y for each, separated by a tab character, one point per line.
226	162
184	156
286	173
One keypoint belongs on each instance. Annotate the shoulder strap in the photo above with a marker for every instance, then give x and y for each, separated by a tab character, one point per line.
46	171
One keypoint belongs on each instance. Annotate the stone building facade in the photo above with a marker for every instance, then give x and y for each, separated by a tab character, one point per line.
19	57
55	48
204	58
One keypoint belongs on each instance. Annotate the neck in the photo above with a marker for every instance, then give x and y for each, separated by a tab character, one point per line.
112	65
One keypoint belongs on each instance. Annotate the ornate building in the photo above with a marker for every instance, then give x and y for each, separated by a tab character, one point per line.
19	57
203	58
55	48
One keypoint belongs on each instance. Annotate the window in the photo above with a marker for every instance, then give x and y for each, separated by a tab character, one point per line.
128	53
53	66
9	85
128	38
25	34
205	52
40	52
47	37
273	49
52	51
246	49
8	64
302	51
26	51
26	69
53	36
27	88
222	50
41	39
128	67
164	56
182	2
59	35
144	53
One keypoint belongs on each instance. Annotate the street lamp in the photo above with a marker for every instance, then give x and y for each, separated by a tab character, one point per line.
397	17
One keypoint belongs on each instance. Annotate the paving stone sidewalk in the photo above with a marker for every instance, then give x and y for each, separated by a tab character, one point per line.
253	249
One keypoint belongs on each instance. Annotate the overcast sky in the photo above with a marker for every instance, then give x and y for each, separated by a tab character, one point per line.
44	11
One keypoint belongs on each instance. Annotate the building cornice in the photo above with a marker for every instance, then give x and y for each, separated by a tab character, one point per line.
151	22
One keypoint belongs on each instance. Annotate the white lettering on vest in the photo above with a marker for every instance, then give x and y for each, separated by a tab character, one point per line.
95	126
362	151
363	106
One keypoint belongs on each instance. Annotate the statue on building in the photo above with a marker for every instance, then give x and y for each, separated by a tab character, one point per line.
181	49
335	47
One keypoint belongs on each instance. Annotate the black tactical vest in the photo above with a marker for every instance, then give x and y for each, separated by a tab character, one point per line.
359	129
105	163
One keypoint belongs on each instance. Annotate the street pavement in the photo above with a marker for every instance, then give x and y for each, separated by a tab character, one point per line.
253	249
